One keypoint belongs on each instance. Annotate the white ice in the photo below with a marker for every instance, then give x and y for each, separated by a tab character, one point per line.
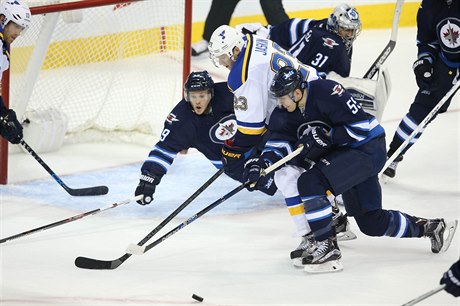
238	254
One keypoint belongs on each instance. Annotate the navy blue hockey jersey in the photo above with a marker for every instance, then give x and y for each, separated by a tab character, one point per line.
183	129
438	31
328	105
313	44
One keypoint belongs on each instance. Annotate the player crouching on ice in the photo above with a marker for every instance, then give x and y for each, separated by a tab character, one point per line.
344	150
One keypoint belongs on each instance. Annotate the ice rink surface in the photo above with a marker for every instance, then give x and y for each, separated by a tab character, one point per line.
238	254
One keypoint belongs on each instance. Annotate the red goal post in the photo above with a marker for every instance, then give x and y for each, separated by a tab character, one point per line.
112	68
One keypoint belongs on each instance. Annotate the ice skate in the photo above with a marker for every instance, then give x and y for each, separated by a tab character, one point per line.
390	172
440	233
342	226
199	47
306	246
325	258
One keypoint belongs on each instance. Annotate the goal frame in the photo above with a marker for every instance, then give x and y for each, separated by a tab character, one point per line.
75	5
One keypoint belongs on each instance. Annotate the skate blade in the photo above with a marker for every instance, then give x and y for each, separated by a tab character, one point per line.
327	267
347	235
451	227
297	262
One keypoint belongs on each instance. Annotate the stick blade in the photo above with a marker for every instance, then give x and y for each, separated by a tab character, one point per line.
90	191
96	264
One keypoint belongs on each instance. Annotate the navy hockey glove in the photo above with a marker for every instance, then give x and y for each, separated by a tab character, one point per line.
10	128
252	175
146	187
423	69
452	279
316	142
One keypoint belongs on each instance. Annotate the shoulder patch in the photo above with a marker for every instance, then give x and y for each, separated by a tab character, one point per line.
329	42
171	118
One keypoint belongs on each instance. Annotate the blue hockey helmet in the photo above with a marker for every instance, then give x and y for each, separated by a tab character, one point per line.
198	81
286	80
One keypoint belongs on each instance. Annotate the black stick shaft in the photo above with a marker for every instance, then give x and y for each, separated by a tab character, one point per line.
89	263
67	220
96	190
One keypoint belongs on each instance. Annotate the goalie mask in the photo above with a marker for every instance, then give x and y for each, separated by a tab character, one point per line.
223	42
17	12
345	22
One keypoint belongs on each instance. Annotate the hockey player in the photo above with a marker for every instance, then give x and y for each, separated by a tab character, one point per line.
14	19
326	44
436	69
204	119
344	150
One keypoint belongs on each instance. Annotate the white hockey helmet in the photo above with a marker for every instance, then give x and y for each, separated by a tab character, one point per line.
15	11
223	40
345	16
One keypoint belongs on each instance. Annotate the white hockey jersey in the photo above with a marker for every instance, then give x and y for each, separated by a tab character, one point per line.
4	56
250	79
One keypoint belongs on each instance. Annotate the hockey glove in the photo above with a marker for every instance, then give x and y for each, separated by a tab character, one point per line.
316	142
233	158
252	175
423	69
254	28
452	279
146	187
10	128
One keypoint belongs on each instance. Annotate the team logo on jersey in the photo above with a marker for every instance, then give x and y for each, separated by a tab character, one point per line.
449	35
306	128
337	90
171	118
224	129
329	42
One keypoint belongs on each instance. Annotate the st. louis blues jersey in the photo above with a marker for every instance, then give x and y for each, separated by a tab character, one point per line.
330	106
183	129
313	44
250	79
438	31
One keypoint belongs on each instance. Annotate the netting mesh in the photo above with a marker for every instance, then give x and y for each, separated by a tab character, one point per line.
112	70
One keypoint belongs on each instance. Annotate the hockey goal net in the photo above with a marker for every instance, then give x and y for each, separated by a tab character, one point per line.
112	69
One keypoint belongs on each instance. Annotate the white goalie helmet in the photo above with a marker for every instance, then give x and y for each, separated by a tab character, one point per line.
15	11
223	40
345	16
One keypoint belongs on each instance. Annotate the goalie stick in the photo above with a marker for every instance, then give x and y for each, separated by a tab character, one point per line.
70	219
90	263
391	44
422	124
89	191
425	295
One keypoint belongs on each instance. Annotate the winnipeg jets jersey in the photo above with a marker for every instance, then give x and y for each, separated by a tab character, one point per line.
313	44
328	105
438	31
250	79
183	129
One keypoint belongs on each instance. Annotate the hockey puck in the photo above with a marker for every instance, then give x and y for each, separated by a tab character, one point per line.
197	297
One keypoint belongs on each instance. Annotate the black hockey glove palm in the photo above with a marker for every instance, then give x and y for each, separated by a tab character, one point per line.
452	279
252	175
423	69
10	128
316	143
146	187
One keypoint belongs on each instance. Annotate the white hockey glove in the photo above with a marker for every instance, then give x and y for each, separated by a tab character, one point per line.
254	28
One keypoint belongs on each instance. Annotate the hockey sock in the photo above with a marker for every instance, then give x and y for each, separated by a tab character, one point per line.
297	212
319	215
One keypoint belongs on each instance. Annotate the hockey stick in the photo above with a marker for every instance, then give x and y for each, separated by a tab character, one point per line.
422	124
89	263
425	295
70	219
138	250
90	191
391	44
